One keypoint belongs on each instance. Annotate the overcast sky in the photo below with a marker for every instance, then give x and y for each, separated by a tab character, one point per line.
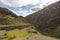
23	7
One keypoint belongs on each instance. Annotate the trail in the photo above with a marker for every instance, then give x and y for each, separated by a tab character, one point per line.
11	27
39	37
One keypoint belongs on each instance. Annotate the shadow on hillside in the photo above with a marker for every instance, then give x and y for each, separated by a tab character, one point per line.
52	29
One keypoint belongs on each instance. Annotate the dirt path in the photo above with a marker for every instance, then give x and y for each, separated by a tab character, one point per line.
11	27
39	37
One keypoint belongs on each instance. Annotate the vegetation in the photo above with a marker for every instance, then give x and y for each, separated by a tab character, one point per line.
46	21
9	18
16	33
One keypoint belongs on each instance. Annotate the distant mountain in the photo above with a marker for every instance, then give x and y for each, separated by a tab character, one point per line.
47	20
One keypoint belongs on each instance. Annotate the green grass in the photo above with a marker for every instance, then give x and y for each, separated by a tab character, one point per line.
19	33
10	20
22	33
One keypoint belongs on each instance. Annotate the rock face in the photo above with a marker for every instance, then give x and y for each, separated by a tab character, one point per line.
47	20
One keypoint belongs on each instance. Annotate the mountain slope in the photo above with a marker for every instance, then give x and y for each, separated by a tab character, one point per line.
9	18
13	26
47	20
4	11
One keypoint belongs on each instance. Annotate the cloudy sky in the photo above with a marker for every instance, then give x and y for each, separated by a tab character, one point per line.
25	7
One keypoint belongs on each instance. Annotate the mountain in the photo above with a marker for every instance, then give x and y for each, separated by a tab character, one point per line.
13	27
9	18
5	12
47	20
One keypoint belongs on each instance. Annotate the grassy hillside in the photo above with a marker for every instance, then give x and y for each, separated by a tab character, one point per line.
9	18
4	12
13	26
28	33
